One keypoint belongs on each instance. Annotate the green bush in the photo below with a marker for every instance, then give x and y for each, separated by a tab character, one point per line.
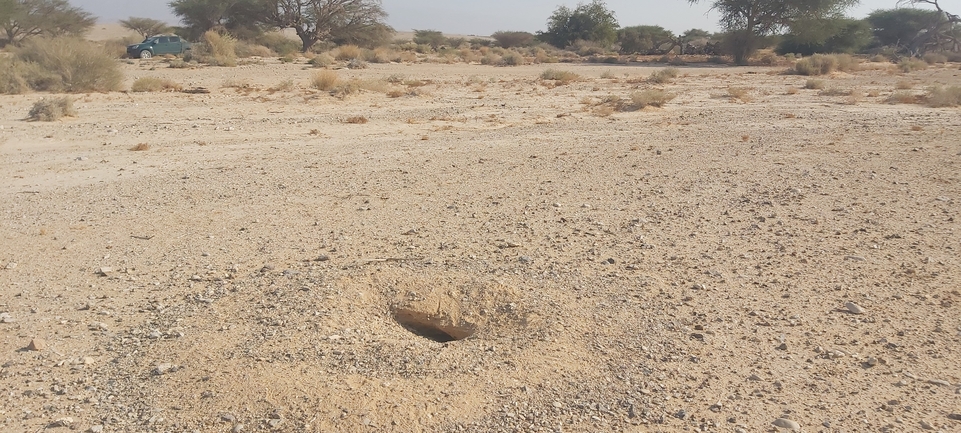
60	65
50	109
508	39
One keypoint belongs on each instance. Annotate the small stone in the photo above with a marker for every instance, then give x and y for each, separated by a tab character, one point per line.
154	335
11	265
926	425
786	424
524	259
105	270
783	346
96	429
37	344
871	361
63	422
6	318
939	382
237	428
322	258
274	423
681	414
955	416
558	404
195	278
853	308
164	368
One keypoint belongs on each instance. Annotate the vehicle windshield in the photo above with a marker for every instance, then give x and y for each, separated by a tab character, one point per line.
153	39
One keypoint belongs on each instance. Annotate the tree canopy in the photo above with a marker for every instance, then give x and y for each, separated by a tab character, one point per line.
316	20
22	19
748	21
145	26
589	22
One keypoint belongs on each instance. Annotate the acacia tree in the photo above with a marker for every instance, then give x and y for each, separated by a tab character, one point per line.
317	20
590	22
239	17
942	33
749	21
21	19
145	26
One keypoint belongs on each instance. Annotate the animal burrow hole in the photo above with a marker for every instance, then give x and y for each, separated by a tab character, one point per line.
437	327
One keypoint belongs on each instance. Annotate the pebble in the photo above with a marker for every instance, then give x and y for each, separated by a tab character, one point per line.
228	417
11	265
939	382
871	361
96	429
926	425
63	422
955	416
195	278
853	308
6	318
37	344
154	335
104	270
786	424
855	258
237	428
524	259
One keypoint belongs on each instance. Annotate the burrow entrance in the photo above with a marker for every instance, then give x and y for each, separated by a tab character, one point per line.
437	328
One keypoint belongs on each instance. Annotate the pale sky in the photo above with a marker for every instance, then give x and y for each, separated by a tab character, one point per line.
483	17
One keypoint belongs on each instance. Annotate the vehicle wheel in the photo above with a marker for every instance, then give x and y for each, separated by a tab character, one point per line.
145	54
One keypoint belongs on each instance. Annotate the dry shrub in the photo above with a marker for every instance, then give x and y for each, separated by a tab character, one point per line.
542	56
373	85
140	147
356	64
943	96
934	58
791	91
154	84
491	58
608	75
279	43
880	58
382	55
217	50
835	91
559	76
512	58
246	49
178	64
904	85
324	80
348	52
322	60
814	84
874	93
356	120
824	64
396	93
344	89
663	76
912	64
59	65
740	93
283	86
50	109
650	97
235	84
902	97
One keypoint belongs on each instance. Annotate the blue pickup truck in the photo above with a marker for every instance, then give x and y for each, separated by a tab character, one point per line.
157	46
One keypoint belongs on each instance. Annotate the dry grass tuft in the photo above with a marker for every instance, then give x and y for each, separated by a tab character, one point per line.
663	76
791	91
348	52
943	96
902	97
912	64
814	84
904	85
321	60
324	80
835	91
283	86
821	64
740	93
50	109
560	77
140	147
356	120
154	84
650	98
216	49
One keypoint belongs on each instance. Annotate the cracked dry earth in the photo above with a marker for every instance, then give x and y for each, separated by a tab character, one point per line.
494	253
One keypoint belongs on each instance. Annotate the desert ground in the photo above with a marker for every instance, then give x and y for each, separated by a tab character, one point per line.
752	251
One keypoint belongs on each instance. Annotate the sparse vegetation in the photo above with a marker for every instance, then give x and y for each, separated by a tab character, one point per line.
559	76
663	76
154	84
347	52
912	64
836	91
321	60
356	120
146	27
821	64
904	85
739	93
140	147
650	97
324	80
814	84
934	58
59	65
216	49
902	97
49	109
938	96
283	86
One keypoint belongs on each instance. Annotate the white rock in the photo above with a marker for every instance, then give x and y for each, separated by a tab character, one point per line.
786	424
853	308
11	265
105	270
6	318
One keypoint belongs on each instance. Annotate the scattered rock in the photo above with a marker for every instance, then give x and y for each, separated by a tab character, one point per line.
95	429
37	344
237	428
783	346
855	258
6	318
955	416
322	258
104	271
871	361
62	422
164	368
939	382
524	259
926	425
227	417
853	308
786	424
11	265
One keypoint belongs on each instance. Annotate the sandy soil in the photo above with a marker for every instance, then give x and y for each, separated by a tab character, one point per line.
676	269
